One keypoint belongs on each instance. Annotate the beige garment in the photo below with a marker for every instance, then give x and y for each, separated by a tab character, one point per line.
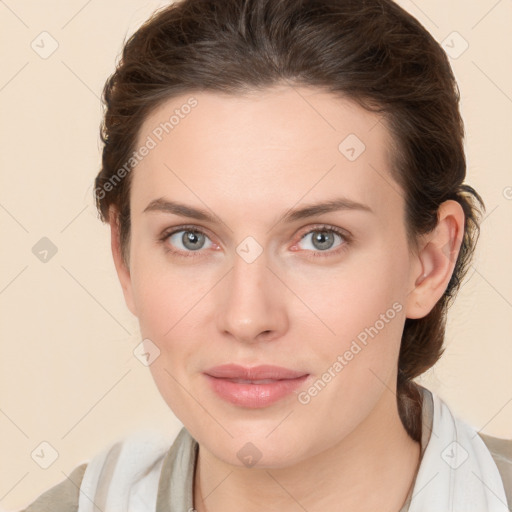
175	489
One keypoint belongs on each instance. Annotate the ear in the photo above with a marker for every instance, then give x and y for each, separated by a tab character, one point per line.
123	271
435	260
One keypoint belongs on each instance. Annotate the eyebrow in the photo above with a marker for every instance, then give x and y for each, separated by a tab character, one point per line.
164	205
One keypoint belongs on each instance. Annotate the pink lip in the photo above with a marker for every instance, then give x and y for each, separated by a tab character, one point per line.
224	381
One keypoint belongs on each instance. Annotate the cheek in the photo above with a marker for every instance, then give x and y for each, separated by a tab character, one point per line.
366	314
163	292
353	296
167	307
175	311
156	307
357	363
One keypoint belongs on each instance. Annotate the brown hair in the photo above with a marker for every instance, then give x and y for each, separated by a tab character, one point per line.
370	51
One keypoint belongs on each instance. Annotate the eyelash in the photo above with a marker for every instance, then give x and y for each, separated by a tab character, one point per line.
347	239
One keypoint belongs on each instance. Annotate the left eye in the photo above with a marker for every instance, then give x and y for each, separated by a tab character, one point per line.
323	239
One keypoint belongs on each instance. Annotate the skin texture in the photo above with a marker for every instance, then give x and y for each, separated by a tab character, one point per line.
248	160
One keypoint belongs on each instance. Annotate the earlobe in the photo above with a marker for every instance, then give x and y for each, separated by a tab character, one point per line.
435	260
123	271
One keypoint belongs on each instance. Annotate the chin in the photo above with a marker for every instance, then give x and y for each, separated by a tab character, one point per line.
256	449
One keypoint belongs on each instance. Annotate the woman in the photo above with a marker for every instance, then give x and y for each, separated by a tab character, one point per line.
284	186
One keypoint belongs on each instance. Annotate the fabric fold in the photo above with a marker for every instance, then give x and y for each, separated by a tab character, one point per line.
457	472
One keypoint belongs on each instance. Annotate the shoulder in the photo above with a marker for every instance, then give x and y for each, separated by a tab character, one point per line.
501	451
126	465
63	497
500	446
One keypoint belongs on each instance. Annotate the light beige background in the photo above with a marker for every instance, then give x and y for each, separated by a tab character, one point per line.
67	372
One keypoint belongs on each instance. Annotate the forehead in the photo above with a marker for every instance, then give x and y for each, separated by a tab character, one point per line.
270	147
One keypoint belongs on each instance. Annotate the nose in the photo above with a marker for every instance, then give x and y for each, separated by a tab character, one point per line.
252	305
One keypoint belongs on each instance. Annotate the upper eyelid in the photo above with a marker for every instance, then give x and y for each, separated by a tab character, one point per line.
327	227
172	231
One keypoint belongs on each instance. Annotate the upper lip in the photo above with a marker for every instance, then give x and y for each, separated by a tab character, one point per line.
235	371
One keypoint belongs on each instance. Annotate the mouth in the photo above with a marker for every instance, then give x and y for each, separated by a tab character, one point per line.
243	381
253	387
253	373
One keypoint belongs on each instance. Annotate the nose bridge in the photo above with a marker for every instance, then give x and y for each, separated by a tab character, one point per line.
251	301
247	280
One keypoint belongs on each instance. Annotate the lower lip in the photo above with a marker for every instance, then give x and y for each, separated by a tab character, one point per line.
254	395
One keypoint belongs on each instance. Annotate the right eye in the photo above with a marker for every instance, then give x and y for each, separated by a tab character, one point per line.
185	240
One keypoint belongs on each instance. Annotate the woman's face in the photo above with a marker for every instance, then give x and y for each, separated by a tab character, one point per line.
253	282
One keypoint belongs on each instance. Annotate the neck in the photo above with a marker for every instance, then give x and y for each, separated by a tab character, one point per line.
371	469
